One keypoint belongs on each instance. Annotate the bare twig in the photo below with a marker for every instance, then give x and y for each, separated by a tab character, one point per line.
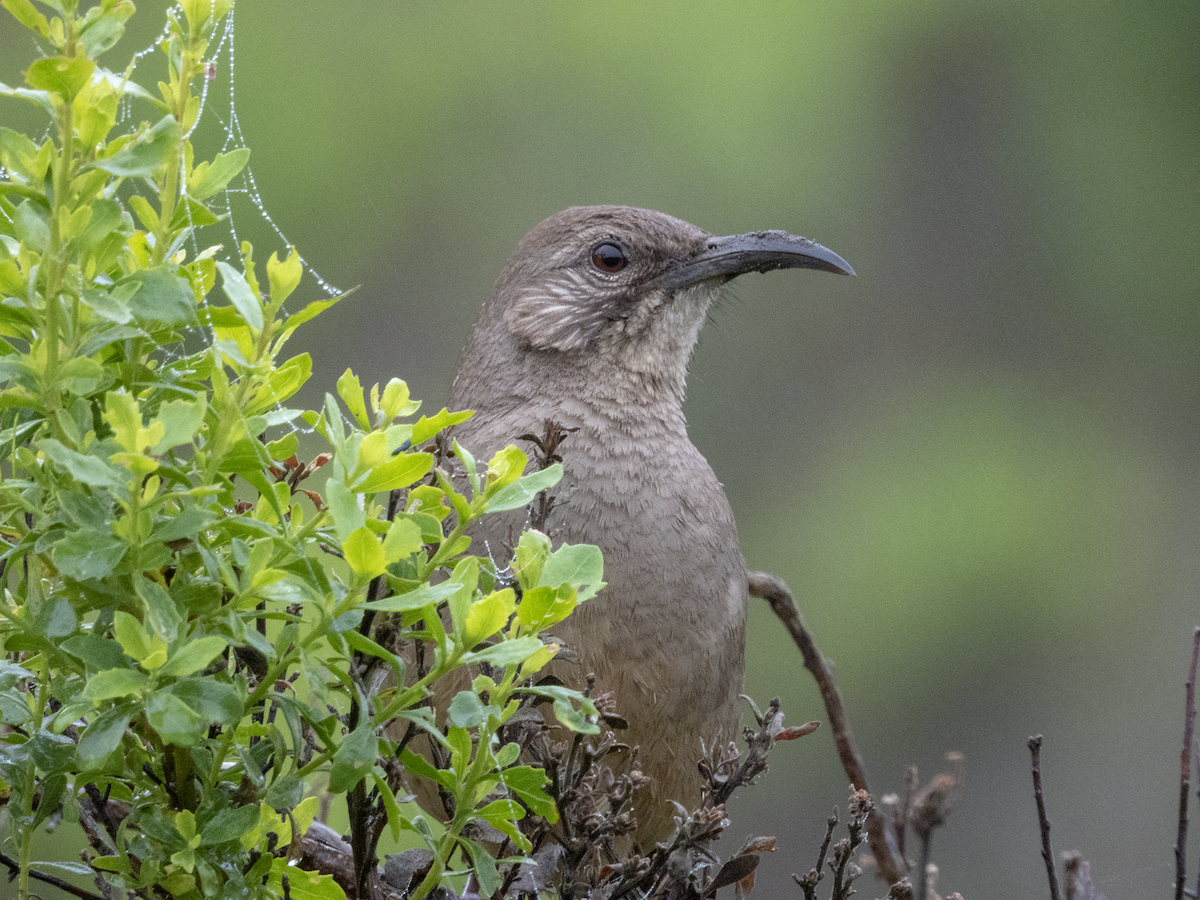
1035	753
1196	767
1185	761
65	886
900	817
883	843
929	808
808	883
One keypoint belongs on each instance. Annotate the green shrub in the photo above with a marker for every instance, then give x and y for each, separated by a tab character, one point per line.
192	634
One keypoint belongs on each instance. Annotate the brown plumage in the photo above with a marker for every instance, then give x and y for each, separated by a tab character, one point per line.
591	324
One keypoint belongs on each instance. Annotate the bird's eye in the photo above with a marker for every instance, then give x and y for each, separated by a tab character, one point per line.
608	257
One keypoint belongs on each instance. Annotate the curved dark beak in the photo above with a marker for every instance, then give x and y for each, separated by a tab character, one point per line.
760	251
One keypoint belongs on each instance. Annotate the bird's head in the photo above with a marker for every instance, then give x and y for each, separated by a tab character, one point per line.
620	291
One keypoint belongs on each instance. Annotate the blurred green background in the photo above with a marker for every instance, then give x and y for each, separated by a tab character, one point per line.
975	463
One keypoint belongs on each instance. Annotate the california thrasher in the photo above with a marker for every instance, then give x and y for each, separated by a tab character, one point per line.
591	324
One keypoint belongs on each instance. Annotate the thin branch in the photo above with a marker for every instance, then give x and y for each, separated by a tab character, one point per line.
1185	762
65	886
808	883
923	882
1196	763
775	591
1035	753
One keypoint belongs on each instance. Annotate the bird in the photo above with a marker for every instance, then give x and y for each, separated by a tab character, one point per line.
592	324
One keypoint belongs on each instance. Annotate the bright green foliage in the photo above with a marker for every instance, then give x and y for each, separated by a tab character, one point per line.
181	618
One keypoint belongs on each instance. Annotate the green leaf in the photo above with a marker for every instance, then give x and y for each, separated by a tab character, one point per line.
284	793
97	653
529	783
483	865
124	415
41	98
349	388
579	565
505	467
19	155
208	178
51	752
395	818
522	491
161	296
163	617
564	707
28	16
284	448
396	400
460	743
56	618
142	157
111	864
427	426
241	295
88	554
507	755
52	789
345	508
112	305
467	710
145	212
113	684
354	758
422	768
364	553
213	700
501	815
247	457
419	598
281	384
81	375
309	312
103	32
229	825
283	276
136	641
469	466
175	721
302	884
488	615
106	217
186	524
103	734
88	469
403	539
505	653
363	644
62	75
181	420
544	606
533	549
193	656
398	472
466	574
31	225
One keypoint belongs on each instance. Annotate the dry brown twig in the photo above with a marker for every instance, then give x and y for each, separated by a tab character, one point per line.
773	589
1035	754
1189	724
